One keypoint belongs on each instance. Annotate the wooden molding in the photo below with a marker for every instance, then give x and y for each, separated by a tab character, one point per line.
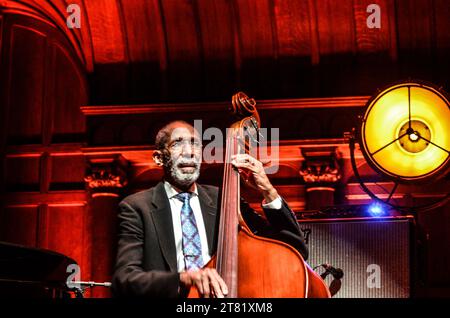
276	104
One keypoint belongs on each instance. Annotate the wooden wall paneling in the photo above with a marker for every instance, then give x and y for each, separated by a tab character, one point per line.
288	170
102	134
384	186
147	128
37	198
48	105
308	126
61	5
337	47
339	123
293	28
42	233
110	51
333	122
183	34
217	24
65	229
138	40
442	45
38	72
69	91
18	224
1	33
416	37
106	31
80	38
440	23
415	24
3	102
23	172
294	194
354	195
133	134
45	172
45	88
336	27
258	46
314	30
303	123
255	20
296	46
67	172
105	122
147	50
372	40
55	12
26	86
376	47
104	224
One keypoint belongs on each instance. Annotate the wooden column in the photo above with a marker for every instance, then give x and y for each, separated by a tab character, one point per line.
106	176
320	171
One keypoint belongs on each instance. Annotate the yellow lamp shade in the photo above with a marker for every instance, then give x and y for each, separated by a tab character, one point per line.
405	132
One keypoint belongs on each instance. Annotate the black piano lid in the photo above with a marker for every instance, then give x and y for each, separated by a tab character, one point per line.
28	265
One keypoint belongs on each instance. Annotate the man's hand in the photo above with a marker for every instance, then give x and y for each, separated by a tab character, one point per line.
254	175
207	280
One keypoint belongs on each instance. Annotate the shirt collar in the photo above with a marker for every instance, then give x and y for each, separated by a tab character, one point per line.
171	191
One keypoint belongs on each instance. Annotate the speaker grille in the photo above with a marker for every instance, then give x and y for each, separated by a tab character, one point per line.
374	255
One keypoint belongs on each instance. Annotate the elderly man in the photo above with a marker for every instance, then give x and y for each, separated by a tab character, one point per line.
166	233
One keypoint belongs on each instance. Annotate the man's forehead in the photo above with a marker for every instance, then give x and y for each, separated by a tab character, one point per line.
183	131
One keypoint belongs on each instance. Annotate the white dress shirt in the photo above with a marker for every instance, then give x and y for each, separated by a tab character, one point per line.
175	207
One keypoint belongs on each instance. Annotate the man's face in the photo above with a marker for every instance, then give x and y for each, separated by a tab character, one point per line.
182	158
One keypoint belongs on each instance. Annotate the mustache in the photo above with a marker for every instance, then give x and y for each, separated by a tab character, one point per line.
182	162
187	163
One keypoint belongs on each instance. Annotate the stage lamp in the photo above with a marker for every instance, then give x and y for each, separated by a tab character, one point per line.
404	135
405	132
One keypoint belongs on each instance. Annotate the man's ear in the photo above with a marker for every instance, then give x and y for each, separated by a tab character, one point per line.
158	157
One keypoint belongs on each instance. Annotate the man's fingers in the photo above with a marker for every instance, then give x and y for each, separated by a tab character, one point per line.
199	285
215	286
223	286
218	283
244	165
196	278
205	283
209	283
246	161
244	158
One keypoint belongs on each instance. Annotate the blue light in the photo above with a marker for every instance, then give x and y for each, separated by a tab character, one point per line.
376	209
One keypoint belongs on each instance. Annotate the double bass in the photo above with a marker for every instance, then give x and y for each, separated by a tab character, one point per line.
254	266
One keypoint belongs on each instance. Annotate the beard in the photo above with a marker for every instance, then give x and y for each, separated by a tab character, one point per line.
183	171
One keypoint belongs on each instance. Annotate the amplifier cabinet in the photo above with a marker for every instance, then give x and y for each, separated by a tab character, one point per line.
374	255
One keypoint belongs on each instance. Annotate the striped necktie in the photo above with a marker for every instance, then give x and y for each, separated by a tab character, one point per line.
192	247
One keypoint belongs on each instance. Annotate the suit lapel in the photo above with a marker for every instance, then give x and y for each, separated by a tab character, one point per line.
162	218
209	211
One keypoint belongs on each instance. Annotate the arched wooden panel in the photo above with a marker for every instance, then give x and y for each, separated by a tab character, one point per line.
26	72
145	51
45	84
69	92
106	15
42	200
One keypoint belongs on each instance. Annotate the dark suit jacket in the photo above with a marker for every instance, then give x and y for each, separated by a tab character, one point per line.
146	263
